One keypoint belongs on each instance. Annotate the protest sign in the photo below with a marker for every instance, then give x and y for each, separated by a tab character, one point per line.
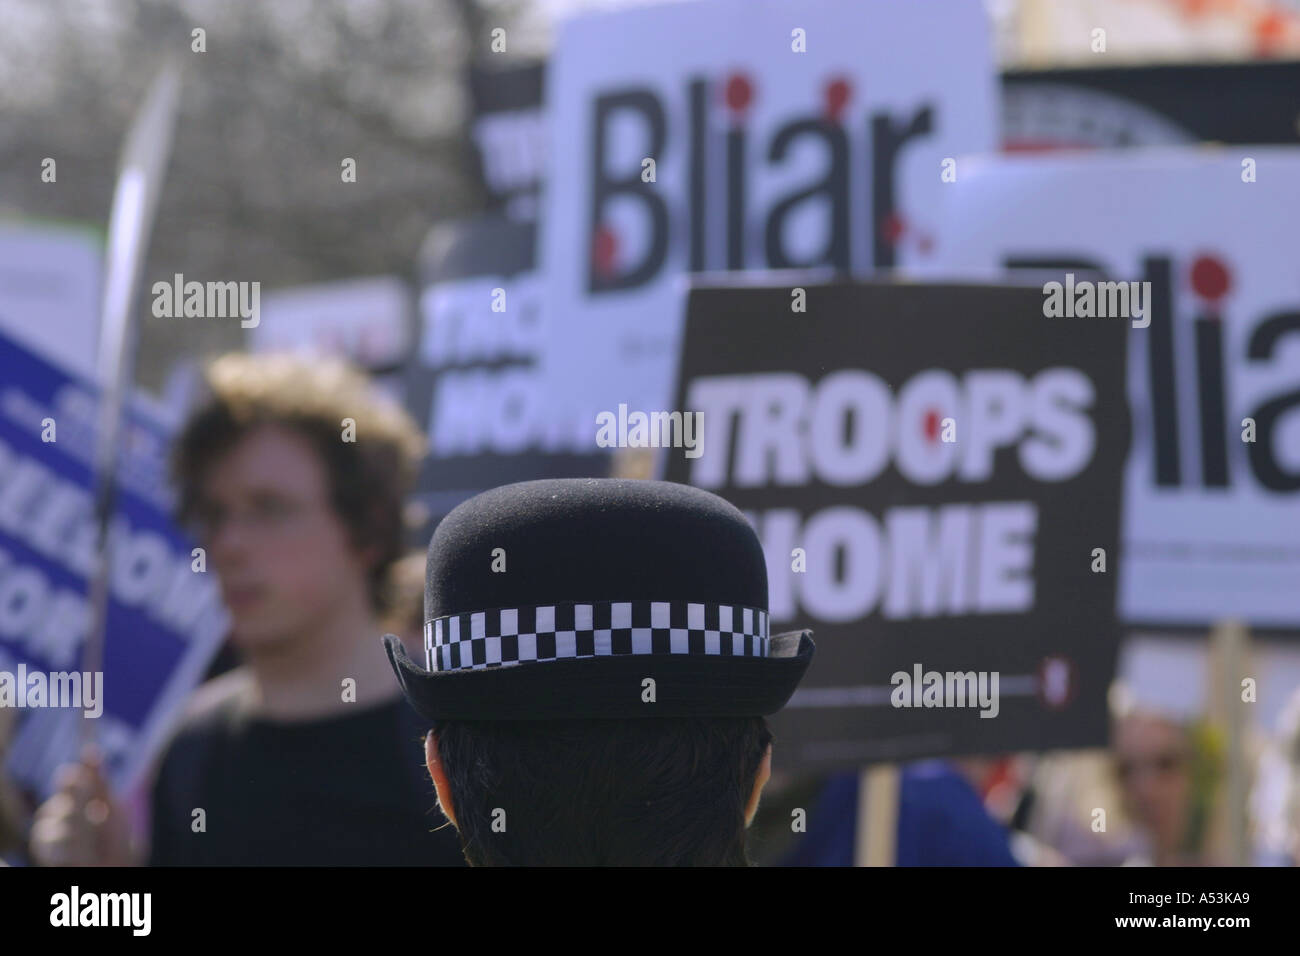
49	290
934	473
1213	483
367	320
1153	105
509	133
165	618
476	384
774	137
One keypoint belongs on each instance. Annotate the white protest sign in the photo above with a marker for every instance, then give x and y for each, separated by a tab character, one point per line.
367	320
740	134
1212	484
50	277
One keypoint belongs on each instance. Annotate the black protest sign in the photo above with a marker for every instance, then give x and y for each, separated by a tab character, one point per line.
935	473
474	385
508	130
1160	104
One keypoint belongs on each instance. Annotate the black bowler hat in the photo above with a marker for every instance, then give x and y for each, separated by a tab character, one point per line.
559	598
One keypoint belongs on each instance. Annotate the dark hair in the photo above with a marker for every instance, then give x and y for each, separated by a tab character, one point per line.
367	478
639	792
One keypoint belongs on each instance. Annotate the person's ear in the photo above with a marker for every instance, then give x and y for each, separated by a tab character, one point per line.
439	775
760	780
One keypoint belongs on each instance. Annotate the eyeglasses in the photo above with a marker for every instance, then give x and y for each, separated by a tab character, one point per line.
1161	764
261	514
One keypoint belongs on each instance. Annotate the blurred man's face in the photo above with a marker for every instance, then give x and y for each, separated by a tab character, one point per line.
282	554
1151	762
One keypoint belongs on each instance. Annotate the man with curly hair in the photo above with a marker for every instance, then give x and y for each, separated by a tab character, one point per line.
292	474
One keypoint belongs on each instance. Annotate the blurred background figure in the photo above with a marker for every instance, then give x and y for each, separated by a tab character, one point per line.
293	474
1153	798
1291	825
13	810
942	820
1168	781
1276	797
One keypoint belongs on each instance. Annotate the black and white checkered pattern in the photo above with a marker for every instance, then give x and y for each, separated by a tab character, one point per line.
507	636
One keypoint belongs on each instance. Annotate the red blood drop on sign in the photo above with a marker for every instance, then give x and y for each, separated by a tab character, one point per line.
1210	278
739	92
892	228
837	97
604	249
931	425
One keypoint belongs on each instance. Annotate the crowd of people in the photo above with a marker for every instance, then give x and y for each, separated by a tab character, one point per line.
301	747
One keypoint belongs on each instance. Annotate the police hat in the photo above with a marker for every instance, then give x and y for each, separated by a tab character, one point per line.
597	597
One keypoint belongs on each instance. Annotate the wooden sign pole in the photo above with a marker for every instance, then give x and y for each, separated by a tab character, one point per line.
876	840
1229	664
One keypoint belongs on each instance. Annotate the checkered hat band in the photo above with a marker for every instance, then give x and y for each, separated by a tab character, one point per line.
506	636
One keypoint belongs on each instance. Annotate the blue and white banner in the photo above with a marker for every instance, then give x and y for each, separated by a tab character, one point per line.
50	288
165	618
